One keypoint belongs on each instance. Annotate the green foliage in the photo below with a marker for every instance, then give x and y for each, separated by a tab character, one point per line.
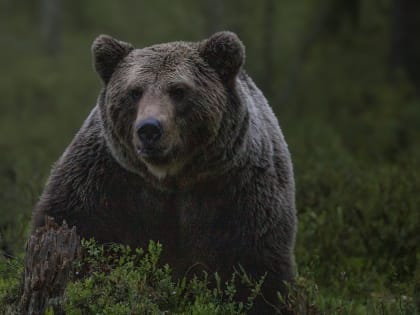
354	140
119	280
115	279
308	298
11	271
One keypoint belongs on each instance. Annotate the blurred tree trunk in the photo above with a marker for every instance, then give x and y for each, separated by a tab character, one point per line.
80	20
213	15
315	31
51	25
341	11
328	20
268	51
405	43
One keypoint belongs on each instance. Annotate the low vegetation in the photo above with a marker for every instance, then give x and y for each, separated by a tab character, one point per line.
118	280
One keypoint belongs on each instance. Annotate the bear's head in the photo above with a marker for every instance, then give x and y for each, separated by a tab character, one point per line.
171	110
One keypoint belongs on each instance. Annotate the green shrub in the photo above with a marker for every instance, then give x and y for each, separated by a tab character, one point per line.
115	280
118	280
11	271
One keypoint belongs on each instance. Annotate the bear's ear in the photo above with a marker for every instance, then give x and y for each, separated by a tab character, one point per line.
107	53
224	52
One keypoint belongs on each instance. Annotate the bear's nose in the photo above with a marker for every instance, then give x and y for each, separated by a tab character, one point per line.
149	131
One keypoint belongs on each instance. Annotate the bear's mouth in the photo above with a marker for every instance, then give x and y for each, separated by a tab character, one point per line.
160	163
148	152
152	155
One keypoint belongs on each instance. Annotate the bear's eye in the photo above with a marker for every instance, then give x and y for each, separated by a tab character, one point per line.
136	94
178	93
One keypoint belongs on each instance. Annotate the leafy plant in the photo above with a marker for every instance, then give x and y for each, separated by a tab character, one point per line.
115	279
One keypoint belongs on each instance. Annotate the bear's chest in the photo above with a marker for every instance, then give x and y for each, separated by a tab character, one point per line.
197	226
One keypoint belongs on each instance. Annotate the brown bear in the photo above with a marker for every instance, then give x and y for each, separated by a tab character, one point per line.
181	148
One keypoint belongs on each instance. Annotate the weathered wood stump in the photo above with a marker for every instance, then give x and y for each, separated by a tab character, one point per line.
50	252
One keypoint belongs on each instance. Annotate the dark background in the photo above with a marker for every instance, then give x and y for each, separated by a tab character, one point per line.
343	77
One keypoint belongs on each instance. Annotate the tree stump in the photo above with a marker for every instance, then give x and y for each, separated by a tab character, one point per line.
50	252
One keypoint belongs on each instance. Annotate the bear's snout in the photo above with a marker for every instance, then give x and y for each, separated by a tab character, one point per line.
149	131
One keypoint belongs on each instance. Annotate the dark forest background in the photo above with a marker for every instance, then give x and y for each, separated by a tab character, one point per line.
343	77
